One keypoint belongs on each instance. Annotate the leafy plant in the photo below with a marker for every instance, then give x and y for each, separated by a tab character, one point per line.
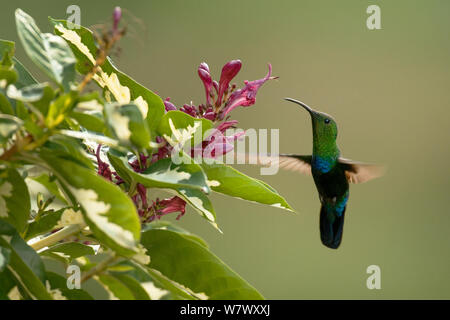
99	155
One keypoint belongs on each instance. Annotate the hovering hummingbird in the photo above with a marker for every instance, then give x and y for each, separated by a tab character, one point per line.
332	174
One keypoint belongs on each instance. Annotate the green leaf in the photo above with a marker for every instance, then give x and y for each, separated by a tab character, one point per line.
45	223
194	266
141	274
82	43
227	180
133	285
109	212
70	250
162	174
127	124
25	78
6	48
59	282
68	148
14	199
39	95
4	258
89	121
200	202
7	283
5	104
131	268
49	52
8	126
59	108
31	93
167	225
8	74
187	180
177	290
6	59
115	287
25	264
50	184
181	120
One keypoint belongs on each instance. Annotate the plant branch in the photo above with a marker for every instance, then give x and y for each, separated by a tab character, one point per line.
98	268
16	147
57	236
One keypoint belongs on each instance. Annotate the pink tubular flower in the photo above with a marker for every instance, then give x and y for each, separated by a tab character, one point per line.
142	191
166	206
226	125
174	204
203	73
216	86
246	96
221	97
229	71
103	168
217	144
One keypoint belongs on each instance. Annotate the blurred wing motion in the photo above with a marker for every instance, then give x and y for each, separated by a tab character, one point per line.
295	162
292	162
356	172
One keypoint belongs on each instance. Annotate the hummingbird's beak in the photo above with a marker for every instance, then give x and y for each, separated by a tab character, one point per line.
304	105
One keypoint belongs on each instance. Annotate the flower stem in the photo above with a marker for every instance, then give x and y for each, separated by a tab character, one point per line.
56	237
98	268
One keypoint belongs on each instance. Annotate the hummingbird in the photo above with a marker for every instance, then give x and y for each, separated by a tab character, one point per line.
331	173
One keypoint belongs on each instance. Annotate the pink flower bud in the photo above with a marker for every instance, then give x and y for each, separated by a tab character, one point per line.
204	66
169	105
203	73
226	125
216	86
229	71
246	96
174	204
117	14
190	110
210	116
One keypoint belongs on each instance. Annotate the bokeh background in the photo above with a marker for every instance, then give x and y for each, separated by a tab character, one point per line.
388	90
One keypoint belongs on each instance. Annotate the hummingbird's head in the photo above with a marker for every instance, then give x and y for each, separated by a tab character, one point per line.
323	124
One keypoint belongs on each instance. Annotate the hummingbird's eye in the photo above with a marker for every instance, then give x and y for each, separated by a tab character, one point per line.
327	121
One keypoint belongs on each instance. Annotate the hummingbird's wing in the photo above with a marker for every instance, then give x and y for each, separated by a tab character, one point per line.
356	172
295	162
359	172
292	162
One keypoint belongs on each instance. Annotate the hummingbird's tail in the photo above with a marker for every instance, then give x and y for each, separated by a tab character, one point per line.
331	226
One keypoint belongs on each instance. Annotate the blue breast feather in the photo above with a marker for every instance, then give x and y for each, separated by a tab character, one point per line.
322	164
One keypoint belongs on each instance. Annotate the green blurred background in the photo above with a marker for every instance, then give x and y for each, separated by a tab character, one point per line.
388	90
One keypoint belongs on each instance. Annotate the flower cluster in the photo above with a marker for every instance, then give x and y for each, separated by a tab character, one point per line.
221	98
